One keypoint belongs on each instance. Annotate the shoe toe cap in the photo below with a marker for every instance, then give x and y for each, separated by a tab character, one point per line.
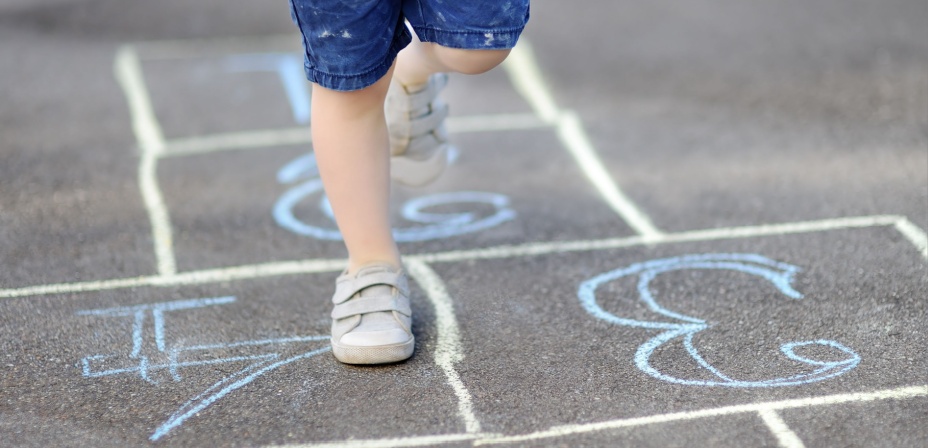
375	338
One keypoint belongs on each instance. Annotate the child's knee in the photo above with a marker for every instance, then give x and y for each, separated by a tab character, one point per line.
471	62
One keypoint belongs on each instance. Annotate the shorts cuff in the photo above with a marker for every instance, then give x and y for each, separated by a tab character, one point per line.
347	83
471	40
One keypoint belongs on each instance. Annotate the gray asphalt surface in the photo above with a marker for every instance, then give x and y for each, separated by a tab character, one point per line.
716	116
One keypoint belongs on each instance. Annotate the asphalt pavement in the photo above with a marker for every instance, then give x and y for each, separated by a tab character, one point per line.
666	224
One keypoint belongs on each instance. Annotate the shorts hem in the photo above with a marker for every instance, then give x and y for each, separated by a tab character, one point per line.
472	39
358	81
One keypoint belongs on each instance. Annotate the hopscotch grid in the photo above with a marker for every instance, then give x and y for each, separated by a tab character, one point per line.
527	80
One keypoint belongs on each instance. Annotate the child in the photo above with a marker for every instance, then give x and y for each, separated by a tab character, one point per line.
352	56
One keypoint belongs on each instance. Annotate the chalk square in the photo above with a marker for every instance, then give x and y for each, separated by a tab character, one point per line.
525	329
73	224
79	351
224	93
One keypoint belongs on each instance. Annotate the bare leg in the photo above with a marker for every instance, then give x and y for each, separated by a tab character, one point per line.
419	60
351	146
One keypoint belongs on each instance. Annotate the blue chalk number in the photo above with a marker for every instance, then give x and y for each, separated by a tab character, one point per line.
684	328
432	226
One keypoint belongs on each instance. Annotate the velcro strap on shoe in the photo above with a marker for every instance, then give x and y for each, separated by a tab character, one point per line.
429	122
346	288
422	98
419	126
364	305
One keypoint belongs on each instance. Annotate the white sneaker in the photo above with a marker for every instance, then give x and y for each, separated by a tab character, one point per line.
372	320
419	147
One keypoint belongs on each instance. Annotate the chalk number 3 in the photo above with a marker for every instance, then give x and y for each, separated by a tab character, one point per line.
684	328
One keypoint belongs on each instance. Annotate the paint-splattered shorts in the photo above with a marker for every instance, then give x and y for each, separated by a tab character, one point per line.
350	44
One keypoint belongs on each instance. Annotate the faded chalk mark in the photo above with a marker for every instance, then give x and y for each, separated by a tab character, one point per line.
779	274
289	67
434	225
178	357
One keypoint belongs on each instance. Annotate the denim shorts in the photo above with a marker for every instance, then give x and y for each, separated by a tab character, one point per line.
350	44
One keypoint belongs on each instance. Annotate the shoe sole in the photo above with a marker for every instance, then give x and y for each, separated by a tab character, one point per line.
416	173
382	354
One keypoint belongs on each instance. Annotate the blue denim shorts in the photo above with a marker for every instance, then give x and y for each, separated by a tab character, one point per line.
350	44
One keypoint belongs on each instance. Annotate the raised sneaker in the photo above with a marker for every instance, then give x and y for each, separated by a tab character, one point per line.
419	147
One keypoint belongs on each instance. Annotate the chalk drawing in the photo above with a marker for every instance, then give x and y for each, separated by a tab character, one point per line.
289	67
779	274
180	357
435	225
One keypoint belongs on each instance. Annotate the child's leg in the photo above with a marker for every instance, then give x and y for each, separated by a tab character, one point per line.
371	321
351	145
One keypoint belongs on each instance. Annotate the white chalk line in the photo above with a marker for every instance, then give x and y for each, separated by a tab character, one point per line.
915	235
761	408
162	236
544	248
448	350
128	72
526	77
270	138
570	130
206	276
786	438
233	141
260	270
567	430
389	443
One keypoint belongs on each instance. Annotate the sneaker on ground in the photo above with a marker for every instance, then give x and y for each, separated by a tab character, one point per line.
419	145
372	320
